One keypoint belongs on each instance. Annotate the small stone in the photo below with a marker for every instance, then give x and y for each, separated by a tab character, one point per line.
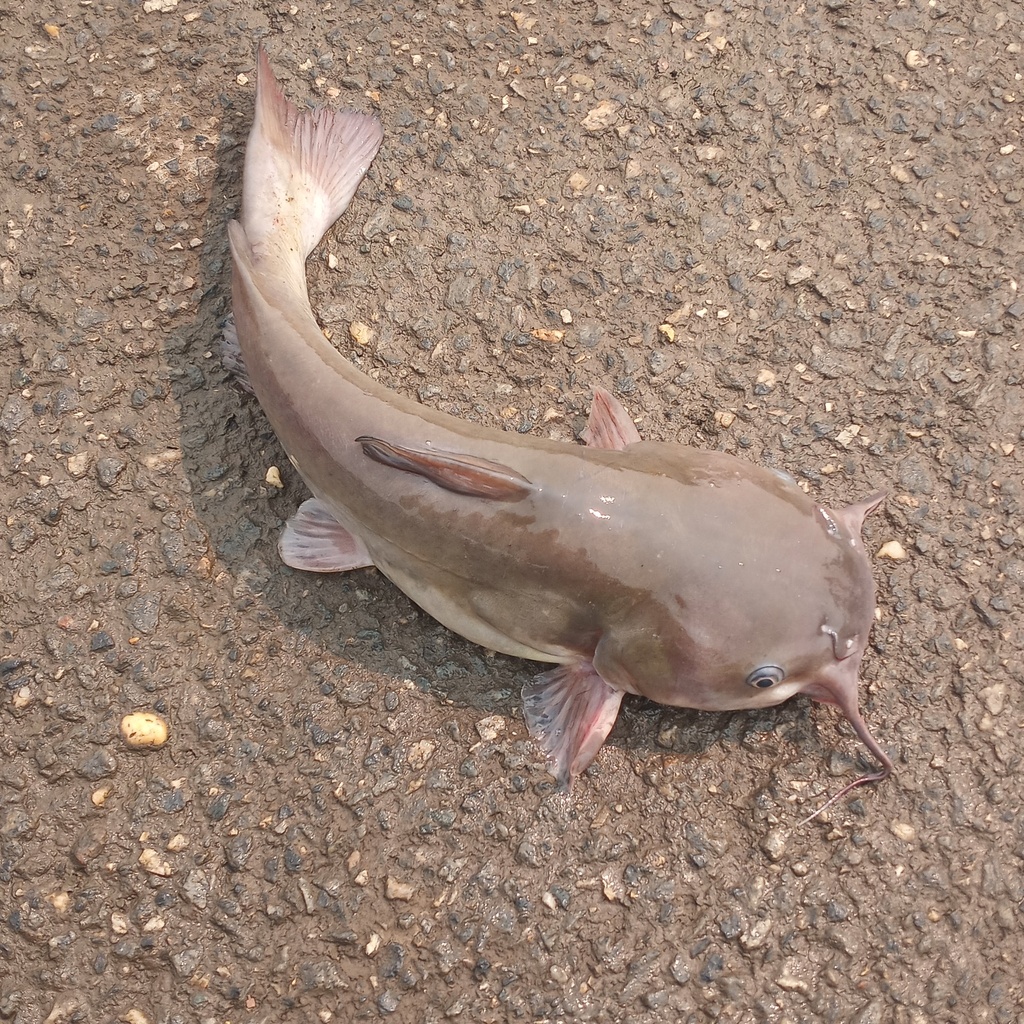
724	418
791	984
185	963
490	728
78	465
847	434
143	613
273	477
101	640
755	935
901	830
420	753
108	470
612	886
577	182
915	60
134	1016
12	416
774	845
892	549
552	337
89	845
360	333
144	729
152	862
994	698
98	765
605	114
396	890
679	970
238	851
797	274
667	331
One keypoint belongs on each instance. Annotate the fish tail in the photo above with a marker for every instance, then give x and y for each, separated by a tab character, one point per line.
301	169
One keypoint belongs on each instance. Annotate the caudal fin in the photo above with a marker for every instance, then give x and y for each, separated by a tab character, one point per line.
301	168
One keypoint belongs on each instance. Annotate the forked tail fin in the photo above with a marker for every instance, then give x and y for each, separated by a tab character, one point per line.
301	168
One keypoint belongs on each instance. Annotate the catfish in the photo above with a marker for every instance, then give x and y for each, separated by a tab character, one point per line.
693	578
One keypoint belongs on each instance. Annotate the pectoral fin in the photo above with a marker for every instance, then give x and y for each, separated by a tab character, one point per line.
462	474
609	425
569	712
315	541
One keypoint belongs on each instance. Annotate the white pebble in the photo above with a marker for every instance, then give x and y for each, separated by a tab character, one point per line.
892	549
144	729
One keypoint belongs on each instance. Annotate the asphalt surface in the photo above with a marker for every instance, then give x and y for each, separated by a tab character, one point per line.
791	233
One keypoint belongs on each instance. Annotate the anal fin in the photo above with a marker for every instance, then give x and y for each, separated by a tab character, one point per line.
609	425
569	712
231	355
315	541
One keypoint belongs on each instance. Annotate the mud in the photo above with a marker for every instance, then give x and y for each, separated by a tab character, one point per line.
792	233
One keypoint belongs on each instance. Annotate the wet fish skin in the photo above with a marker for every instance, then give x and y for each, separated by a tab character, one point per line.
634	566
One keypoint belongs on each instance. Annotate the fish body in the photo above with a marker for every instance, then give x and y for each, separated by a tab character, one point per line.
691	577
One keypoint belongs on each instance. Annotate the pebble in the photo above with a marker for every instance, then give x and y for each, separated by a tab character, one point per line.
774	845
360	333
420	753
387	1001
490	728
915	60
143	613
108	469
605	114
186	962
679	969
904	831
791	984
144	729
12	416
396	890
101	640
994	698
154	863
892	549
756	934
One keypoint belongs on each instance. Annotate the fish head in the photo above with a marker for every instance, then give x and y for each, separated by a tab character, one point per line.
811	638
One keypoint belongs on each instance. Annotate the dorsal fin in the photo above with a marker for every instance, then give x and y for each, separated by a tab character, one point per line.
463	474
609	425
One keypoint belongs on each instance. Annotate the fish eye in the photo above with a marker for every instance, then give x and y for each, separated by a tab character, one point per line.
765	676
